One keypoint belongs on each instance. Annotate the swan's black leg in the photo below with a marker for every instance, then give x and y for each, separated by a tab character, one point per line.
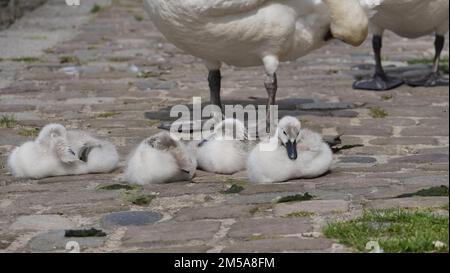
271	85
380	81
434	78
214	79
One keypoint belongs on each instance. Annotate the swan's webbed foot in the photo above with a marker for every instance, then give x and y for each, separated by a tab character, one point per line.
378	83
431	80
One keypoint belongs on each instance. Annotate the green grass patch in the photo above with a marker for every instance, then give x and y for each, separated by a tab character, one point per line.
387	97
396	230
433	191
148	74
8	121
25	59
443	65
114	187
138	18
300	214
96	8
295	198
29	132
235	188
378	112
118	59
141	200
152	122
68	59
108	114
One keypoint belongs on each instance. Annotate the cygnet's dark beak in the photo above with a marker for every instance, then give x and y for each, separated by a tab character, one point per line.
291	148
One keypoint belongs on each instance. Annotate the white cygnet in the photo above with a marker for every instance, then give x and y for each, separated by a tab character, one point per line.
293	153
226	150
160	159
57	152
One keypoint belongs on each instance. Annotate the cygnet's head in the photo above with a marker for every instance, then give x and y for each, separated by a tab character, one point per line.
288	132
231	129
50	133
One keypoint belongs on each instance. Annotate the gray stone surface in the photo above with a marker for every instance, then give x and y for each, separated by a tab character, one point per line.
170	233
55	241
404	152
41	222
411	202
315	206
357	159
130	218
216	212
281	245
269	227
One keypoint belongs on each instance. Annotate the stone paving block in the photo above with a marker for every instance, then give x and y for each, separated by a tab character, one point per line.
405	141
130	218
42	222
269	227
313	206
410	202
170	233
424	158
357	159
55	241
280	245
365	131
216	212
175	249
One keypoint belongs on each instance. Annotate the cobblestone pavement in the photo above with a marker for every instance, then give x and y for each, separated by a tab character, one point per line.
91	81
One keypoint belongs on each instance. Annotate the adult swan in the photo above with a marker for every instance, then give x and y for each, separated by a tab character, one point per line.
247	33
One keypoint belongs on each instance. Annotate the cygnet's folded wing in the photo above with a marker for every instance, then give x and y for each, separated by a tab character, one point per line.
65	152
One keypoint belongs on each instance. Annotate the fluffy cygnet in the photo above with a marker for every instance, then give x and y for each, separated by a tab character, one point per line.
294	153
226	150
160	159
57	151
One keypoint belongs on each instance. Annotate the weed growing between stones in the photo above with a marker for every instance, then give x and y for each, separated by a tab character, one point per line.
233	189
96	8
108	114
378	112
433	191
113	187
29	132
8	121
300	214
295	198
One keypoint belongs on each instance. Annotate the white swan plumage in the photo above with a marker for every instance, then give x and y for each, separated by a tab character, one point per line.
296	153
256	32
410	19
160	159
57	152
226	150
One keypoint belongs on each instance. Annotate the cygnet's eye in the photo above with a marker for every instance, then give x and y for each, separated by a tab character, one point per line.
53	135
284	132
